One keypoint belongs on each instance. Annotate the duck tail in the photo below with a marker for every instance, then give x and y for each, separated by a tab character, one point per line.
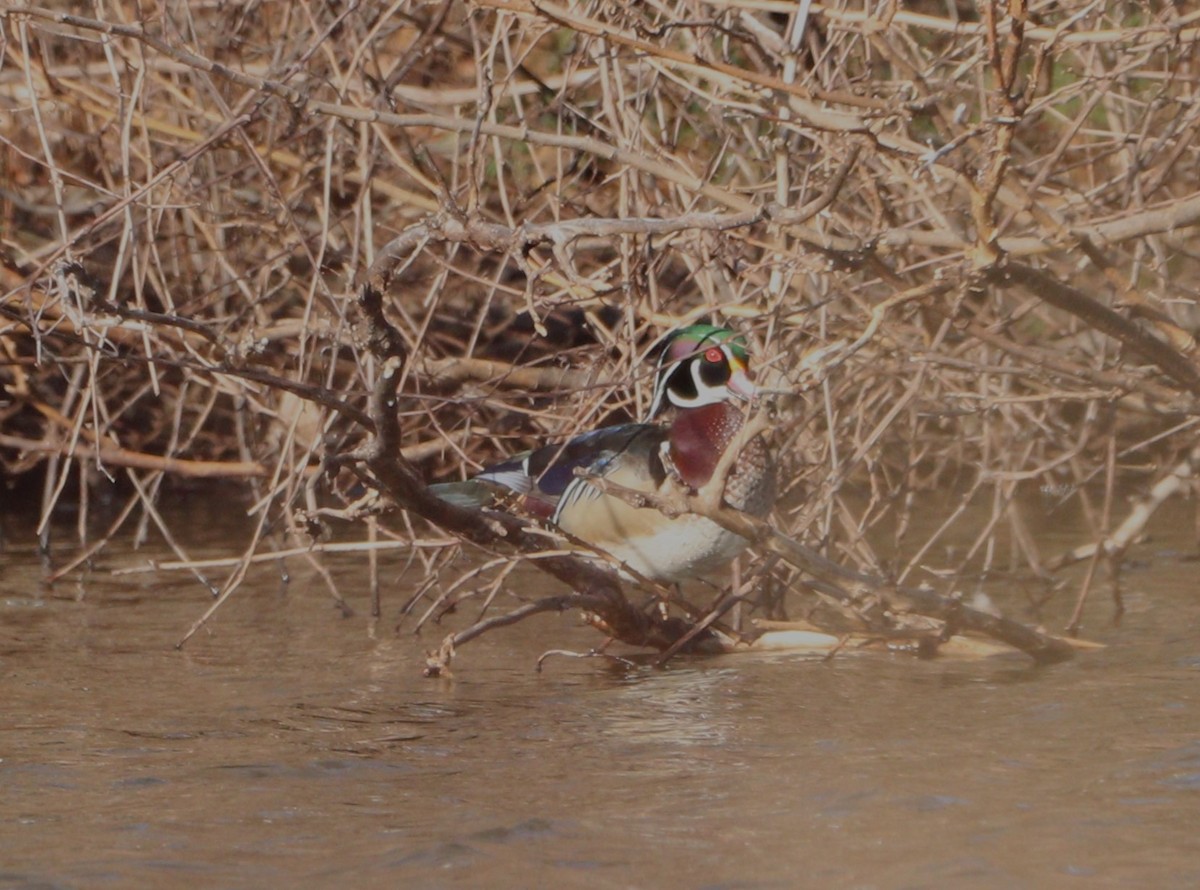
470	495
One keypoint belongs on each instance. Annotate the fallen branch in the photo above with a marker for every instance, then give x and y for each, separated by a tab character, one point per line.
112	455
1040	647
106	454
1181	477
447	372
1166	357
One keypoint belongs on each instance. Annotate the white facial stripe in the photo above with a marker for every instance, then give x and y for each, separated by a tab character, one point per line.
706	394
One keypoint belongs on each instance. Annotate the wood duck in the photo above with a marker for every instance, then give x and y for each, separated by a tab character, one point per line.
702	382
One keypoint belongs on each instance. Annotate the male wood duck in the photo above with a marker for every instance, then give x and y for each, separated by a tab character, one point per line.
702	383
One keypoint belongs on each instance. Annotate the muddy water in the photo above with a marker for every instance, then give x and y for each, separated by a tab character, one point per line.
288	746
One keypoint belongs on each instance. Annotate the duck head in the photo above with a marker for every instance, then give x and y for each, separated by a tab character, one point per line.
702	365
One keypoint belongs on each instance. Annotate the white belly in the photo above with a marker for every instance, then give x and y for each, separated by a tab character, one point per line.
687	547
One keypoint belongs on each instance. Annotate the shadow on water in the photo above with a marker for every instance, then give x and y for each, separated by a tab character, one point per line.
286	745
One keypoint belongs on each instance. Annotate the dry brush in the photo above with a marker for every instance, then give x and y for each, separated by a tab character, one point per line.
960	237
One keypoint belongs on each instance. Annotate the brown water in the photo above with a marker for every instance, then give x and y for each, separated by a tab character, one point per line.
286	746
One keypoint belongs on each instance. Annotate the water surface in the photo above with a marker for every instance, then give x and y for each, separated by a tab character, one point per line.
286	745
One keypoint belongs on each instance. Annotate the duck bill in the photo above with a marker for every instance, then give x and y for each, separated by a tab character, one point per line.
741	382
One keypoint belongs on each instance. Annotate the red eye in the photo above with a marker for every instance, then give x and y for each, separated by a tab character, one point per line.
714	355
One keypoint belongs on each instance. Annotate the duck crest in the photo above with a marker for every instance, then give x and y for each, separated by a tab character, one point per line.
699	436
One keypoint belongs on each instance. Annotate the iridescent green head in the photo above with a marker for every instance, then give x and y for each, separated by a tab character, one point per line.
702	365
